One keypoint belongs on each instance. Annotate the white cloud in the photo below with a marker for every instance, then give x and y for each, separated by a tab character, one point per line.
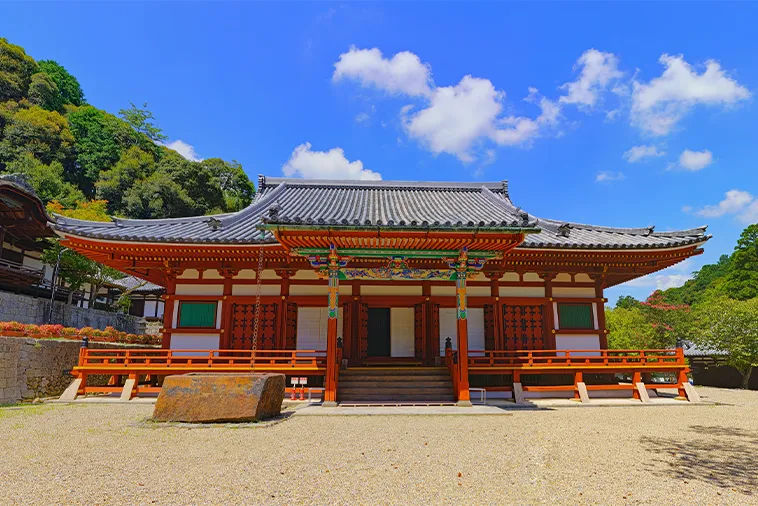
695	160
598	70
362	117
660	281
330	164
403	73
637	153
605	176
184	149
457	116
740	203
452	119
657	106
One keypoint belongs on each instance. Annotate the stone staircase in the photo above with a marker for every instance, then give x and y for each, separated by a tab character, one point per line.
395	385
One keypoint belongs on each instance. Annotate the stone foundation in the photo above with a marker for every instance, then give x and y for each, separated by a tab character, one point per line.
31	368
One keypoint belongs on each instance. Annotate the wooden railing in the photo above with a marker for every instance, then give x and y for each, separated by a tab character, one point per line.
197	360
571	359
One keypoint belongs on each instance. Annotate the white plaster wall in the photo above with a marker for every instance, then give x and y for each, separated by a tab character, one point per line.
578	342
510	276
245	274
212	274
533	276
312	327
309	290
563	277
194	342
449	328
584	292
189	274
582	278
305	274
443	291
478	291
252	289
150	308
402	342
189	289
394	289
522	291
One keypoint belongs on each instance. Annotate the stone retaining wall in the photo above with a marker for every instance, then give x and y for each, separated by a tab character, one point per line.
31	368
26	309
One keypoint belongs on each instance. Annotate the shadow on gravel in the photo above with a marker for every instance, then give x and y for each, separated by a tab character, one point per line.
721	456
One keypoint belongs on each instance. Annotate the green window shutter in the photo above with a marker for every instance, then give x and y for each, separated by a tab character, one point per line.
197	314
575	316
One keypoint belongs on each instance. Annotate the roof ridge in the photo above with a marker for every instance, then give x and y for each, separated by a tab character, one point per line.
506	204
500	186
255	205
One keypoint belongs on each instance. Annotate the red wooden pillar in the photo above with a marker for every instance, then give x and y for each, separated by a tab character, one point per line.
549	316
281	333
168	310
600	305
330	387
226	310
463	394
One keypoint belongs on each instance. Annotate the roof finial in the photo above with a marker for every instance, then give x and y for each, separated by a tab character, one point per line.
564	230
261	182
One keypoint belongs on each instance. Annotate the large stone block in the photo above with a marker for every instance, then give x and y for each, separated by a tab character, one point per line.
220	397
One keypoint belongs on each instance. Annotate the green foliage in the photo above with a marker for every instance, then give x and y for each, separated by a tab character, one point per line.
238	190
730	326
47	180
627	302
629	329
72	152
143	121
742	278
70	92
16	70
44	92
44	134
100	138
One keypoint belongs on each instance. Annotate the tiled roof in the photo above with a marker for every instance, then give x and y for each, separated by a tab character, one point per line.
142	286
692	350
371	204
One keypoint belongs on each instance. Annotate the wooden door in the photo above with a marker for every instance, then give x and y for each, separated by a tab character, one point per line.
379	332
523	326
243	319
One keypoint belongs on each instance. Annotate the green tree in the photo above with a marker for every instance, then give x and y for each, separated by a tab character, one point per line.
627	302
70	92
742	280
100	138
629	329
133	166
44	134
670	323
44	92
157	196
196	180
730	326
16	70
237	188
143	121
47	180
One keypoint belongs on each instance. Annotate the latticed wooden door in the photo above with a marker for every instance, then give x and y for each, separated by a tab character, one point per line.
489	327
418	330
290	327
523	327
243	319
435	331
363	330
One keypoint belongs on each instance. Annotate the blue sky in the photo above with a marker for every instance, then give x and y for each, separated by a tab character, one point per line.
618	114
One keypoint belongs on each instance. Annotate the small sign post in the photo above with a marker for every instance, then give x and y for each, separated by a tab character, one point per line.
294	380
303	382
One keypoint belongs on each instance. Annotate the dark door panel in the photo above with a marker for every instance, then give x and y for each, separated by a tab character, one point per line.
378	332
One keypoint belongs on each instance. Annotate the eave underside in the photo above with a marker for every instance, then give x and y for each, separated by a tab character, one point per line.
158	262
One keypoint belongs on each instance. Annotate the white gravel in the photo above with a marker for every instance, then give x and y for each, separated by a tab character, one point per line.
108	454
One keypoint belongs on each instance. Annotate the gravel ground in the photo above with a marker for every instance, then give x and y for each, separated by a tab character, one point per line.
110	454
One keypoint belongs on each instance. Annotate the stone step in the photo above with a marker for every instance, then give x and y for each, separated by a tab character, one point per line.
396	391
343	383
395	371
391	379
397	397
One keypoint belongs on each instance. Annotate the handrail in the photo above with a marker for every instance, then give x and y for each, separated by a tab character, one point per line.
563	358
167	358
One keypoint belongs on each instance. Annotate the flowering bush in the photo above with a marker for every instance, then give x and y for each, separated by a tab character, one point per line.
110	334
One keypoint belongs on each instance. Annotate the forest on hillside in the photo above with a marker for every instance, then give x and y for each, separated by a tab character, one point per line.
717	309
75	155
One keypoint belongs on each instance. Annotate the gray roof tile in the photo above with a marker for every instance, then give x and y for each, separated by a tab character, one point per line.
389	204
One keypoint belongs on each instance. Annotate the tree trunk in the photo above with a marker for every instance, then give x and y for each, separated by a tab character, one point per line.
746	377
